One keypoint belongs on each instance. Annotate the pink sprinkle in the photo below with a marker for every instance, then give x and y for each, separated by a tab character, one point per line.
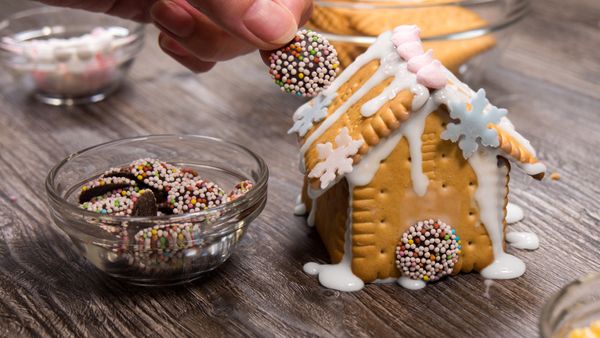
13	198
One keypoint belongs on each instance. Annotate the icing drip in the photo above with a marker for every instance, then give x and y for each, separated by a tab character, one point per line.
490	199
523	240
421	95
339	276
388	280
400	82
413	130
514	213
310	220
379	50
411	284
300	208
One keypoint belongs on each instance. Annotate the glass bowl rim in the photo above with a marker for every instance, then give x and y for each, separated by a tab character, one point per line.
514	14
136	31
546	315
257	192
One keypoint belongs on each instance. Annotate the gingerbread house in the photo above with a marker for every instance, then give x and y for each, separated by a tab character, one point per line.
396	146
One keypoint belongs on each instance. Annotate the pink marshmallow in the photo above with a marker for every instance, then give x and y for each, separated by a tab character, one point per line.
409	50
420	61
432	75
403	35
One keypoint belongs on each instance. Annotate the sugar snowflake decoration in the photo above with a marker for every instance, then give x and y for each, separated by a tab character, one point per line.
336	161
311	112
473	125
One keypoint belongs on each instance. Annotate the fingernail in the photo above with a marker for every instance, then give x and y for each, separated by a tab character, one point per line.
171	45
173	18
270	22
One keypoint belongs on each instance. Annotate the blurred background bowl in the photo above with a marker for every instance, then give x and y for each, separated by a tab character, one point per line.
464	35
74	73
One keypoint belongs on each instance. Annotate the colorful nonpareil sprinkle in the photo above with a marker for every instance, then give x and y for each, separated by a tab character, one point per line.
119	202
305	66
428	251
239	190
195	195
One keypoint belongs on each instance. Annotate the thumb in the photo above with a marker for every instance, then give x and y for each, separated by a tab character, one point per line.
266	24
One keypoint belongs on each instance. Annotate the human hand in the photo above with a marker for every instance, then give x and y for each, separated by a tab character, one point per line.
199	33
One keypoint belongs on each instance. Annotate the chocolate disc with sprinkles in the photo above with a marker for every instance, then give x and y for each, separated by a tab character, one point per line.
428	251
195	195
119	202
305	66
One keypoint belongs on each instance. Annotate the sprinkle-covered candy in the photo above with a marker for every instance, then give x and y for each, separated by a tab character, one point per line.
305	66
239	190
428	251
119	202
195	195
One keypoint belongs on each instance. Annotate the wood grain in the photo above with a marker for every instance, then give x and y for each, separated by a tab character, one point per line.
548	75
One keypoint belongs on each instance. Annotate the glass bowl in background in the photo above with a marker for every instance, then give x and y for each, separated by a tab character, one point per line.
575	306
113	243
67	56
461	33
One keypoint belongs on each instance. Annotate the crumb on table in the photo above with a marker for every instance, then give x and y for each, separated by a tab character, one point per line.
555	176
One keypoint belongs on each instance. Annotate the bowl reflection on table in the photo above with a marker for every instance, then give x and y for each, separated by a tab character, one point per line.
115	244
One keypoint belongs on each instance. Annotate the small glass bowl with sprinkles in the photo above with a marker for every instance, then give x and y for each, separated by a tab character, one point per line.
157	210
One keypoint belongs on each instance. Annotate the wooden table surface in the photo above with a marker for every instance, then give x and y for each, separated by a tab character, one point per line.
548	75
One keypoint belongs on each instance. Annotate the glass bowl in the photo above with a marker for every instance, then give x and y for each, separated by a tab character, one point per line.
113	243
461	33
575	306
67	56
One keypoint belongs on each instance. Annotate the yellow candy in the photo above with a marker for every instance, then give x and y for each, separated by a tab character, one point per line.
301	75
154	232
593	331
596	328
139	177
194	201
410	241
83	188
426	278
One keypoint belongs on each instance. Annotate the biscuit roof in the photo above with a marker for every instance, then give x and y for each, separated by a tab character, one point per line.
381	92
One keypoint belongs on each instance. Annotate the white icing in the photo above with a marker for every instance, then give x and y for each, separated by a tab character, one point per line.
411	284
300	208
523	240
310	220
381	49
514	213
532	168
388	280
400	82
413	130
490	198
421	95
339	276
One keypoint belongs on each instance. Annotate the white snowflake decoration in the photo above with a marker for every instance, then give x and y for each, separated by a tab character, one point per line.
336	161
473	124
311	112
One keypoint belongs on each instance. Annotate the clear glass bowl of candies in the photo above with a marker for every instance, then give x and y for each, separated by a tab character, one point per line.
157	210
67	56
